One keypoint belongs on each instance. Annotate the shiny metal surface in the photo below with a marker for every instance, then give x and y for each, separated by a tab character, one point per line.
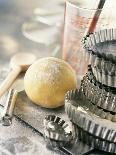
94	141
57	132
24	136
100	51
19	139
81	114
9	108
99	95
57	129
108	79
33	116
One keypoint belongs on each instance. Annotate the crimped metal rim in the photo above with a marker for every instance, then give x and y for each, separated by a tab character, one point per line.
103	97
66	136
103	65
87	120
93	141
108	79
103	61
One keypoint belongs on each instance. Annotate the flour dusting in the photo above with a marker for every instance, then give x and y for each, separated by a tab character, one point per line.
49	72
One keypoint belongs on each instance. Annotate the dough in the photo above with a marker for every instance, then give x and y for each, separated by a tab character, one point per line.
47	80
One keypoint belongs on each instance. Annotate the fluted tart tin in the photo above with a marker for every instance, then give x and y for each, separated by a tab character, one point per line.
100	48
101	96
80	114
57	131
93	141
106	78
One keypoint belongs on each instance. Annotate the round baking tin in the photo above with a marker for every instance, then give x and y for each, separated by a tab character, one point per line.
100	49
98	94
93	141
80	114
56	131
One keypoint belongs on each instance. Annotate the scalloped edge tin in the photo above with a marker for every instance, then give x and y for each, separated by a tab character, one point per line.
87	120
103	61
93	141
57	129
104	77
103	97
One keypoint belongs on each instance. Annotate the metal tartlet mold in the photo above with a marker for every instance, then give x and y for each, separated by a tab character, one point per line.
108	79
80	114
57	131
99	111
94	108
93	141
101	96
105	58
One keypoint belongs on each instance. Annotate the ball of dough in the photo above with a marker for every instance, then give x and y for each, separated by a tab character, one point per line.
47	80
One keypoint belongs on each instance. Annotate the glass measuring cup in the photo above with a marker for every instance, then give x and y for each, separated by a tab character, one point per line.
76	24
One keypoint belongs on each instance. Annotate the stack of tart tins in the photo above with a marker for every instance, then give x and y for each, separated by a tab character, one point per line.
100	49
90	123
100	96
92	108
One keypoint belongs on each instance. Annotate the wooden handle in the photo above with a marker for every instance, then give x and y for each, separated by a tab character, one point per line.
9	80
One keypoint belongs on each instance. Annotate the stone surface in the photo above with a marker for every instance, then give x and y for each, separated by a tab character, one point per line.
23	137
20	139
